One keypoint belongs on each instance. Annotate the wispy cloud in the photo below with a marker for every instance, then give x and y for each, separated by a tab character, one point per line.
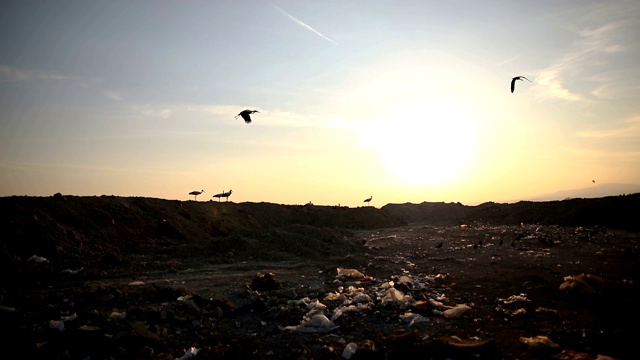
14	74
587	64
113	95
304	25
507	61
154	111
628	129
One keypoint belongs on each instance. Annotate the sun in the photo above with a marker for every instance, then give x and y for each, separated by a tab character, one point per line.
424	143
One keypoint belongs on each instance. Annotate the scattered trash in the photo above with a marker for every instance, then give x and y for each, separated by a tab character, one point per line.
456	342
332	296
456	312
350	273
514	298
37	259
412	318
395	296
116	315
59	324
318	323
586	283
574	355
265	282
538	342
89	328
71	272
349	350
546	310
190	353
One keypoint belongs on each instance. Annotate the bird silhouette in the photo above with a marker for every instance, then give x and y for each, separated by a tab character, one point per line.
593	181
513	81
223	194
196	193
246	115
368	200
439	245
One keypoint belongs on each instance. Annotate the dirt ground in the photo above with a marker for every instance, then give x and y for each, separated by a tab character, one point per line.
467	288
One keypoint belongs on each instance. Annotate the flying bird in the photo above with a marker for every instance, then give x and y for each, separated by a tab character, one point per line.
246	115
593	181
196	193
369	199
513	81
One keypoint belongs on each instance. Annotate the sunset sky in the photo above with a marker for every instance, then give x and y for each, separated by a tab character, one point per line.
405	101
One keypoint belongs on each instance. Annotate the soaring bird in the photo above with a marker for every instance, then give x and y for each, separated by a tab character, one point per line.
369	199
223	194
246	115
513	81
196	193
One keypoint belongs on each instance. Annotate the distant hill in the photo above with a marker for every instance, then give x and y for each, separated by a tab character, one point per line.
595	191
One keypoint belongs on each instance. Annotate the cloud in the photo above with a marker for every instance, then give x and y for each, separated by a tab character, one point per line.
301	23
589	64
154	111
12	74
630	128
113	95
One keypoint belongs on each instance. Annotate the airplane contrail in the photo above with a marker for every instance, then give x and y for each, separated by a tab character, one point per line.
301	23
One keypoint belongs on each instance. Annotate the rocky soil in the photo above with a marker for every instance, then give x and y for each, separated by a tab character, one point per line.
130	278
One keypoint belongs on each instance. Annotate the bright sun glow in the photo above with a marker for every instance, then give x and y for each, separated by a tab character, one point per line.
424	143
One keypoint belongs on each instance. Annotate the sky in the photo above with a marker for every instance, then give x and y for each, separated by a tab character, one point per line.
404	101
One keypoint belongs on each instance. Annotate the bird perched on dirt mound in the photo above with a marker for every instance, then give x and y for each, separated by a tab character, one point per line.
196	193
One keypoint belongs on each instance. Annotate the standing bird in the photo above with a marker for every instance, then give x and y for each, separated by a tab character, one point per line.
369	199
223	194
196	193
513	82
246	115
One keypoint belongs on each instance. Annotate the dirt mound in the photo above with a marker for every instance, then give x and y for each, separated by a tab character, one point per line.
617	212
77	231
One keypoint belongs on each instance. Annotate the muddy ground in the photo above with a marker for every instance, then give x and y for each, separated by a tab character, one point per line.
132	278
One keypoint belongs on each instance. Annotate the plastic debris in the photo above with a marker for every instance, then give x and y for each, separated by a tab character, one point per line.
412	318
190	353
37	259
397	297
59	324
118	315
514	298
456	311
71	272
574	355
587	283
538	342
349	350
350	273
317	323
332	296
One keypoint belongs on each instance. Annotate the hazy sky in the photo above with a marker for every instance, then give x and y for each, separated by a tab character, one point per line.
405	101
